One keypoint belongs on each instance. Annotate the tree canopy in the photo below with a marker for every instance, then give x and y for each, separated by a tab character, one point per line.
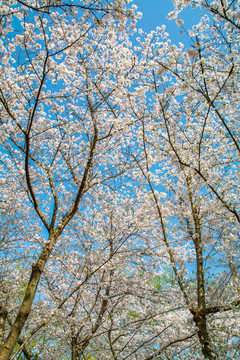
119	164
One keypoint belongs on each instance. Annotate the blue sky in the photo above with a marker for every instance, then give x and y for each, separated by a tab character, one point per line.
155	14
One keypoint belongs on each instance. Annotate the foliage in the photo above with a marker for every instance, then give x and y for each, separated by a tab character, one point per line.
119	183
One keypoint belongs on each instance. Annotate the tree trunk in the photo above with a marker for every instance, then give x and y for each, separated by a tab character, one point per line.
3	317
25	308
199	314
74	348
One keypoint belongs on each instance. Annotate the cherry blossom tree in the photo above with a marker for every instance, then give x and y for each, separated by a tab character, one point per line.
60	138
196	160
120	183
